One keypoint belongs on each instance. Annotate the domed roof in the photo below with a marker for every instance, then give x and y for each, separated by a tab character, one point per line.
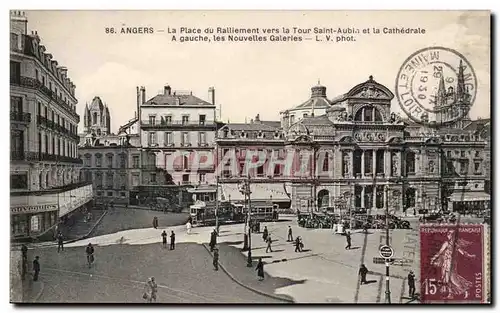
96	104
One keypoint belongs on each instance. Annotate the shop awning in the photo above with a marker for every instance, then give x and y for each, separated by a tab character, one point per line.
264	192
468	196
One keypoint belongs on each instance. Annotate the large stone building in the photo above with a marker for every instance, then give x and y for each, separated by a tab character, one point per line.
176	128
45	167
363	155
112	163
259	141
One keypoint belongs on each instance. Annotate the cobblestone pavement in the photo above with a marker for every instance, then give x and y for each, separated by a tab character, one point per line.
184	275
121	218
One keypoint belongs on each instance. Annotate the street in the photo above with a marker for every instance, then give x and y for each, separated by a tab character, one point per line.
121	218
184	275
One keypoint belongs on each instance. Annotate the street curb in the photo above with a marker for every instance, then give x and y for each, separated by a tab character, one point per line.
91	229
53	244
273	296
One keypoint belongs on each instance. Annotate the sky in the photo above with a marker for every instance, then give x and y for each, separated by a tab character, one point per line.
249	78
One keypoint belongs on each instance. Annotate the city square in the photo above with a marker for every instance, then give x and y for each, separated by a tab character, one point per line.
375	189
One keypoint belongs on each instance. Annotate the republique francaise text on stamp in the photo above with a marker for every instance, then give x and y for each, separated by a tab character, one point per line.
451	263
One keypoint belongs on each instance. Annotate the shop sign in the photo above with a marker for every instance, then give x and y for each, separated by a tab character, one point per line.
32	209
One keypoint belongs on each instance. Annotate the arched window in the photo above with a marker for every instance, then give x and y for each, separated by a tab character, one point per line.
94	118
368	114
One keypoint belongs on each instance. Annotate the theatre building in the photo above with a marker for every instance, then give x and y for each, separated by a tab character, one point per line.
365	156
44	168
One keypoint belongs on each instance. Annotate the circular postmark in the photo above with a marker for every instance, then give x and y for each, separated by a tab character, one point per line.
436	86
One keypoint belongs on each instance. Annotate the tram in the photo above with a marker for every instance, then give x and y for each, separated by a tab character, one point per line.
203	213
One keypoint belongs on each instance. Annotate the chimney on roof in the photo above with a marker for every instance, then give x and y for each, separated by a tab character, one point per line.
211	95
167	90
143	95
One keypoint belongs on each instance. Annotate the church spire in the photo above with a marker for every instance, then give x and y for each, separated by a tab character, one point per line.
460	83
441	94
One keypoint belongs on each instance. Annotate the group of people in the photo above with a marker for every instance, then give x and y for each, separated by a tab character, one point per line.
36	264
172	239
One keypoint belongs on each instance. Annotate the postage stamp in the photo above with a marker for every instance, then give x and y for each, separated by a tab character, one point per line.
451	263
436	86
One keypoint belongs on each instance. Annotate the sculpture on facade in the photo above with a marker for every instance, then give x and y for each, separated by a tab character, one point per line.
431	166
395	164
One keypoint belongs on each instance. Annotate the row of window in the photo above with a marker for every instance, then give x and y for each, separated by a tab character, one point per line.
169	140
52	144
167	119
462	153
51	115
122	161
185	178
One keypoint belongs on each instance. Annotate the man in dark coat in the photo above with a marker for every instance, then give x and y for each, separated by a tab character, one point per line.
411	284
60	242
290	237
24	252
362	273
348	239
216	258
36	268
269	241
213	240
265	233
260	269
297	244
172	241
164	239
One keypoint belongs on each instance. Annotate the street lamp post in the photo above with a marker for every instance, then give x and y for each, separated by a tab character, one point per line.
217	205
387	243
249	257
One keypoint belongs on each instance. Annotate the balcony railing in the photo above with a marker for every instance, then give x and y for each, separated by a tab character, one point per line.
176	123
35	156
35	84
20	117
43	121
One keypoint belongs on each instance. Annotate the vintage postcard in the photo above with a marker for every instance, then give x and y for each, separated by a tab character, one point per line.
249	157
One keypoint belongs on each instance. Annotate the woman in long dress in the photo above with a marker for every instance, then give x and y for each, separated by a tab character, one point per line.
452	281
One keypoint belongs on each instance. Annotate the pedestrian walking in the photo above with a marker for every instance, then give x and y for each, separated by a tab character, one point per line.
155	222
90	254
348	239
216	258
260	269
362	273
265	234
411	285
36	268
213	240
60	242
164	238
172	241
269	241
298	244
188	227
150	290
24	253
290	237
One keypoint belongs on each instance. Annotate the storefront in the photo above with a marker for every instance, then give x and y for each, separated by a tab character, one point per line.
469	202
31	221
